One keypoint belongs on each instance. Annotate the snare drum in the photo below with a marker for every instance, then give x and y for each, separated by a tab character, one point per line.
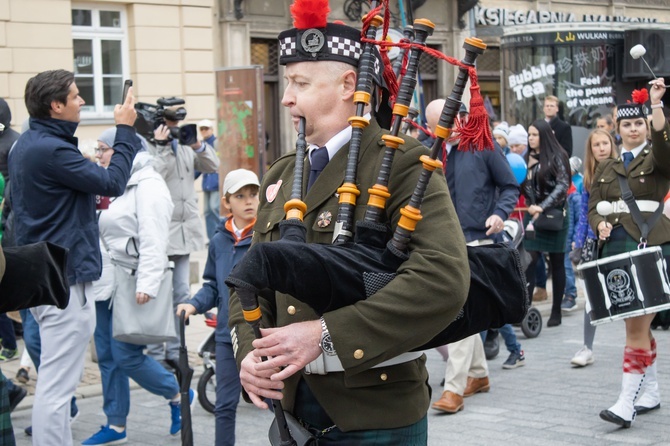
626	285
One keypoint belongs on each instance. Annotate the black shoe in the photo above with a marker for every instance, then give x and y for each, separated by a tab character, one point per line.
643	410
22	376
491	345
614	418
15	397
554	321
29	431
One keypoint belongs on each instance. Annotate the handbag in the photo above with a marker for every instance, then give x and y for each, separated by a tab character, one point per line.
587	253
150	323
550	220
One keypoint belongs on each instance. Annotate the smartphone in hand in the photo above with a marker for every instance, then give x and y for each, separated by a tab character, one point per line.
126	85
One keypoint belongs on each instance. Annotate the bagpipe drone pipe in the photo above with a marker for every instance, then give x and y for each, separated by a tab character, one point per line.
328	277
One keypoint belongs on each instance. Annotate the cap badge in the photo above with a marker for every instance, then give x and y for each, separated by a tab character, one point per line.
312	41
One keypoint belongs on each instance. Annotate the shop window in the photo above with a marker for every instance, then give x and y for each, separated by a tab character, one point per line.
100	57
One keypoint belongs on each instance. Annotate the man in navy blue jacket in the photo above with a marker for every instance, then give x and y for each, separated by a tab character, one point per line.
53	196
484	192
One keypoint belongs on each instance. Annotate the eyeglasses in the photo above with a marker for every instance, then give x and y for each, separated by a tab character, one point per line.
101	150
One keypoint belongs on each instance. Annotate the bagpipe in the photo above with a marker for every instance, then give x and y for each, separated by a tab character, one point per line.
360	262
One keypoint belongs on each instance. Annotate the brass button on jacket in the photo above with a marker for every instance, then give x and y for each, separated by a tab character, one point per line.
358	354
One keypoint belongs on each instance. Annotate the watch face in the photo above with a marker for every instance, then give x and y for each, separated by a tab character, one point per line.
327	344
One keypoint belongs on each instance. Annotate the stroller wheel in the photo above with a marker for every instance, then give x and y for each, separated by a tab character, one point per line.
531	326
207	390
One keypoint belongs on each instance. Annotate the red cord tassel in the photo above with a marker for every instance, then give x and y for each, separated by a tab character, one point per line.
476	134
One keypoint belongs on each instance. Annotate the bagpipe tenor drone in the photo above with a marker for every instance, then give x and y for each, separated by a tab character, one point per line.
365	255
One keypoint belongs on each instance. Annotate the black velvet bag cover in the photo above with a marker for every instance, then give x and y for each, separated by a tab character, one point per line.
36	275
325	277
328	277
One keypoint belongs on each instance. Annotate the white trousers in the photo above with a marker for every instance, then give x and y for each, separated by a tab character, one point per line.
65	335
466	358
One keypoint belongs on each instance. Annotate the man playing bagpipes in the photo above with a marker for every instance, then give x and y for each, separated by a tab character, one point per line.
355	402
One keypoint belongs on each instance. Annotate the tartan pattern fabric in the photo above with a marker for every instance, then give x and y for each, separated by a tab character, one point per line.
620	242
6	430
547	241
317	421
636	360
287	46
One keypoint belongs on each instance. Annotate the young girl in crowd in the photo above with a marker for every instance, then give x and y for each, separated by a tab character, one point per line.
600	146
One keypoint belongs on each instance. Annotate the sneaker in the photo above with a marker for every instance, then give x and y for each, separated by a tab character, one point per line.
515	359
106	435
7	354
568	303
175	411
22	376
582	358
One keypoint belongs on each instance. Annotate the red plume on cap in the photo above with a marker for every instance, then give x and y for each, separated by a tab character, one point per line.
310	13
640	96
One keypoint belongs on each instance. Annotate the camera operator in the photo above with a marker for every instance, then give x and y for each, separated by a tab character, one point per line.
177	164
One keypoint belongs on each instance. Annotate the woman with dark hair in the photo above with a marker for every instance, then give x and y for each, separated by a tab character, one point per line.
546	188
646	170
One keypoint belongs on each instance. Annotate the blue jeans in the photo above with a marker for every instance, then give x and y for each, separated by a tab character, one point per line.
118	361
228	390
31	336
212	207
570	287
507	332
7	332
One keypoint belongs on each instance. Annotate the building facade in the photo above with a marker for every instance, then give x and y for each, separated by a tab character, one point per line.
575	50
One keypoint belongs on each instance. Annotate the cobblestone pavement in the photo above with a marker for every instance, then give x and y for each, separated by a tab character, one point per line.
546	402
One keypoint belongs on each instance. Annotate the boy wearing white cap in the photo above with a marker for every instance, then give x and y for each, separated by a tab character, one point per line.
226	248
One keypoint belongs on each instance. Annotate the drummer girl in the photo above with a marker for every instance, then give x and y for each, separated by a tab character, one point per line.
647	171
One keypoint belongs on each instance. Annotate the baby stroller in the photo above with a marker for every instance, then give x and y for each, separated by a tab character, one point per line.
512	235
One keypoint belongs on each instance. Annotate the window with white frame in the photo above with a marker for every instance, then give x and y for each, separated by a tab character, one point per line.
100	57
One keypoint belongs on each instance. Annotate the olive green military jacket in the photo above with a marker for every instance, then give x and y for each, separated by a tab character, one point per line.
429	290
648	177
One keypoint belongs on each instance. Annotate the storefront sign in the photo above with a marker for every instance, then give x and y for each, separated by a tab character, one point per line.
530	82
510	17
590	91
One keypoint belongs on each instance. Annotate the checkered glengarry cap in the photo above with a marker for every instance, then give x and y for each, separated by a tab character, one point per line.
334	42
631	111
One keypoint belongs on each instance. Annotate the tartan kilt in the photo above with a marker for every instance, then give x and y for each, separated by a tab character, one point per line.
547	241
6	430
620	242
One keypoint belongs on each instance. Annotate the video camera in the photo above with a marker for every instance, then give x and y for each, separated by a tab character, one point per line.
150	117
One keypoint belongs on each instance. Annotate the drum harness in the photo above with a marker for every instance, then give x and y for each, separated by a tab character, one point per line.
645	225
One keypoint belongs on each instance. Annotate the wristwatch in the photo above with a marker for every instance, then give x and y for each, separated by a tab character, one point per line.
326	342
659	105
